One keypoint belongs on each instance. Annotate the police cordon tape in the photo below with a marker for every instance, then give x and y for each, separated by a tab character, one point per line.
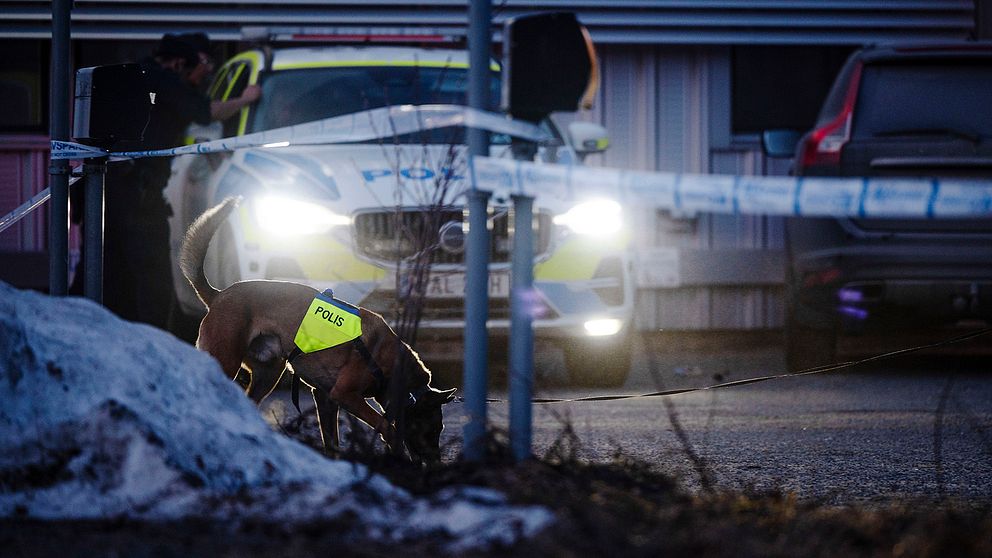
33	203
919	198
380	123
806	372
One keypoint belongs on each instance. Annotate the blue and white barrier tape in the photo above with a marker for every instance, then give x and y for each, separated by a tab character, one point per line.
27	207
385	122
763	195
369	125
684	193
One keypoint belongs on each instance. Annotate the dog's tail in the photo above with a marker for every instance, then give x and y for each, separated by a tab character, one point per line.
195	244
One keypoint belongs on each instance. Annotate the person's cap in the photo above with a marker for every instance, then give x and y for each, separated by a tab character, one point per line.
173	46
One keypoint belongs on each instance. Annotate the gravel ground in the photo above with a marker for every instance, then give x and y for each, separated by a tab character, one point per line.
887	461
917	428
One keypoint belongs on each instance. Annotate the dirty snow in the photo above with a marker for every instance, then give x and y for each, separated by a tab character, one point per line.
106	419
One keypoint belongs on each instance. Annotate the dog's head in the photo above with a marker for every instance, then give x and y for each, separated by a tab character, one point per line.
424	425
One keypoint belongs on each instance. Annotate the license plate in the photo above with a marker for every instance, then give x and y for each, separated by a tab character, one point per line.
452	285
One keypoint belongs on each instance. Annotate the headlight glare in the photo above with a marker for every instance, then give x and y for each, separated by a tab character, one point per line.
290	217
594	217
603	327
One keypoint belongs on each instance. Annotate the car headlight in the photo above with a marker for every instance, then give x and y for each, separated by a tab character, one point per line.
594	217
603	327
287	217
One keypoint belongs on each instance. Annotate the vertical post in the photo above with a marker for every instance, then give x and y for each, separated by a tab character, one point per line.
477	250
94	171
476	313
521	334
58	171
479	76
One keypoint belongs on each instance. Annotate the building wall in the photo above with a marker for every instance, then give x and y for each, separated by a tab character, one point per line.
667	109
23	173
701	22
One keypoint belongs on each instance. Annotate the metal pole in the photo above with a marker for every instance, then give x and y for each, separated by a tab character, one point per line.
476	313
58	171
477	250
479	78
521	334
94	171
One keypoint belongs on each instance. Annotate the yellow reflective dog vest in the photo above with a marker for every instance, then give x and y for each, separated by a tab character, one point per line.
328	323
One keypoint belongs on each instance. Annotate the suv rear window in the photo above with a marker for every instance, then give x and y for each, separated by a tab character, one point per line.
925	98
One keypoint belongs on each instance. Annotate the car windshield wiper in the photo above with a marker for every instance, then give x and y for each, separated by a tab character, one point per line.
973	137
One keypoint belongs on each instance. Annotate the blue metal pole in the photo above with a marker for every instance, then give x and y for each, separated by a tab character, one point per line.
477	249
479	76
58	206
476	338
521	334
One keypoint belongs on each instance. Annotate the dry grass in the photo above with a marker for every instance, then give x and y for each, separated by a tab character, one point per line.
621	508
629	508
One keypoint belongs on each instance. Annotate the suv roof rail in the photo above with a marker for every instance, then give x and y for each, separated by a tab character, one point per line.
353	34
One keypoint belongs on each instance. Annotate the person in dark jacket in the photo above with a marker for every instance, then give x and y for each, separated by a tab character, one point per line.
137	270
199	74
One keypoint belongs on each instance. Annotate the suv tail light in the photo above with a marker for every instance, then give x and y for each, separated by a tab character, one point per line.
822	146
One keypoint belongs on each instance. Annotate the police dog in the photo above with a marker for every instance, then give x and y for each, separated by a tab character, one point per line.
252	325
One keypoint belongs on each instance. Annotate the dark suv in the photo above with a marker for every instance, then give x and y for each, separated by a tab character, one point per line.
902	110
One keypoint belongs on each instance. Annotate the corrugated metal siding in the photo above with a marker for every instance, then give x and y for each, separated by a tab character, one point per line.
23	173
614	21
666	107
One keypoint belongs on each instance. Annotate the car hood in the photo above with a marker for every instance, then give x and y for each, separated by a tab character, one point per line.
364	159
353	178
356	176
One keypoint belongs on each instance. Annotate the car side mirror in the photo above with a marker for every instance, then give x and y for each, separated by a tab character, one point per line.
780	143
587	137
549	64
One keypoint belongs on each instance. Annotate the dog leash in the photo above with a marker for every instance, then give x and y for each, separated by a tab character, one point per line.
295	384
805	372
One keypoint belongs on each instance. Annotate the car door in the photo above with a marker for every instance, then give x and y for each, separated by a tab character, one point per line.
230	83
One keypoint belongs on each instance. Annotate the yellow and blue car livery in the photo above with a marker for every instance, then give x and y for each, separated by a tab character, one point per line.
338	216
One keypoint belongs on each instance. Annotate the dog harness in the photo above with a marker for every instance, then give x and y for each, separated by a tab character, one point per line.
330	322
327	323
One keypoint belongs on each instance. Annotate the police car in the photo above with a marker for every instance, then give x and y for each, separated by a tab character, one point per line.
355	217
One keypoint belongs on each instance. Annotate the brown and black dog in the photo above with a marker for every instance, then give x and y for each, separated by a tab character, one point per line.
252	325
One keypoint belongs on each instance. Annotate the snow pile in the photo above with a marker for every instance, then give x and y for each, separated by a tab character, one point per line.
102	418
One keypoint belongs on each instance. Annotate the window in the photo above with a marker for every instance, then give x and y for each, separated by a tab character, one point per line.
24	86
943	97
775	87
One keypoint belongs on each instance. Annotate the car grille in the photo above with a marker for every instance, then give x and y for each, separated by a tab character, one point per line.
391	236
384	302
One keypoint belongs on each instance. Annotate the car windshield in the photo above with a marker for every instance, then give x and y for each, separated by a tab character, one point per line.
296	96
925	99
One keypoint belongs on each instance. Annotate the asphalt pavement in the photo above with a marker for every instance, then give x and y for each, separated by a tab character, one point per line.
913	429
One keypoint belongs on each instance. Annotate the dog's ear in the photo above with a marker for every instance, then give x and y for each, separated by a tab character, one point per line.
446	396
